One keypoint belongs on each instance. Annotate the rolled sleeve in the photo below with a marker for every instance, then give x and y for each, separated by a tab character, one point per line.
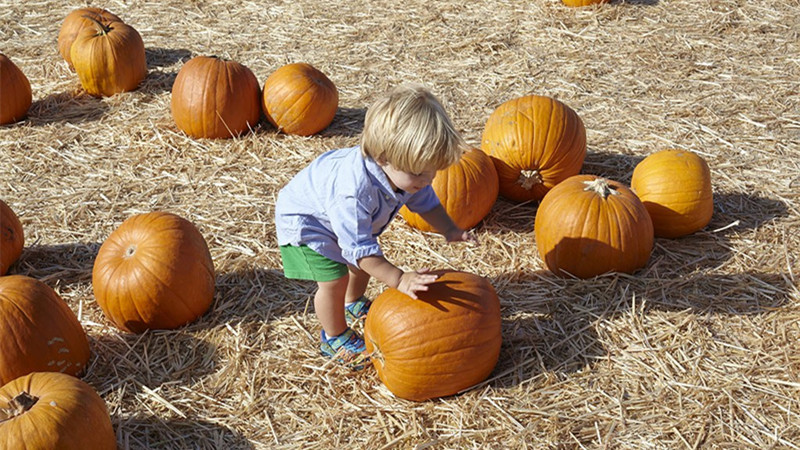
423	201
351	220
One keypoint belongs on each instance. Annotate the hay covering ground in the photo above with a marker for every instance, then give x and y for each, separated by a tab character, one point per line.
697	350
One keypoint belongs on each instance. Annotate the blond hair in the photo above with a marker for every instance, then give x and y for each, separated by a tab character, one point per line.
409	129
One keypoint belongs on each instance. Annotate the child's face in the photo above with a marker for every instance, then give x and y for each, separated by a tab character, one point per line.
409	182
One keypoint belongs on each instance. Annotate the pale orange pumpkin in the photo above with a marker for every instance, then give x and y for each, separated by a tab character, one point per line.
215	98
38	331
588	226
51	410
74	23
299	99
109	58
535	142
12	238
583	2
16	95
153	272
440	344
467	190
675	187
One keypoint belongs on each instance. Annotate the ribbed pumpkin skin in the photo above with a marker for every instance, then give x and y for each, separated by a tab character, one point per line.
74	23
467	190
535	142
580	232
583	2
16	95
67	415
153	272
444	342
214	98
12	238
299	99
675	187
38	331
109	61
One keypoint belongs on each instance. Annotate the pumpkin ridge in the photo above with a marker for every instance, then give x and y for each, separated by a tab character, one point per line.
169	289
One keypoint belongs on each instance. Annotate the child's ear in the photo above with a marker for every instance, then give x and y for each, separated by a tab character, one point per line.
381	161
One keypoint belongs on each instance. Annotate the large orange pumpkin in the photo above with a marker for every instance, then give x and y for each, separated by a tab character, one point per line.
588	226
467	190
215	98
50	410
16	97
299	99
446	341
535	142
12	239
109	58
675	187
583	2
74	23
38	331
153	272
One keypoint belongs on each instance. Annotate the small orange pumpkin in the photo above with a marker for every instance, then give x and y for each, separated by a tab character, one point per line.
535	143
74	23
16	95
109	58
440	344
215	98
587	226
38	331
675	187
12	238
467	190
299	99
51	410
583	2
153	272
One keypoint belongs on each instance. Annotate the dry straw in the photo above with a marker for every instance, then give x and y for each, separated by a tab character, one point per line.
697	350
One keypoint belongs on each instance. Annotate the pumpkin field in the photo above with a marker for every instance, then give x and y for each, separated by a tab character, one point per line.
683	336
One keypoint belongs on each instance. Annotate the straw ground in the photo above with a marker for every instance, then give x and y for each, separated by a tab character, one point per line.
697	350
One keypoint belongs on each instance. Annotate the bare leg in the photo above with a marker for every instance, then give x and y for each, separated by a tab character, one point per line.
329	305
357	284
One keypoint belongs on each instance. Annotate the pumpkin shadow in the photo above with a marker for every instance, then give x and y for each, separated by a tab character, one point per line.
66	107
63	264
348	122
164	57
157	433
614	166
641	2
507	216
157	81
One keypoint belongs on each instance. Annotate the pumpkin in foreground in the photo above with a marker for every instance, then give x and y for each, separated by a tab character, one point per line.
467	190
215	98
74	23
51	410
38	331
299	99
535	142
12	238
675	187
588	226
153	272
16	97
440	344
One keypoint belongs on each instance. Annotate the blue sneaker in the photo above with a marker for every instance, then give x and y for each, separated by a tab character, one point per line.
353	312
347	348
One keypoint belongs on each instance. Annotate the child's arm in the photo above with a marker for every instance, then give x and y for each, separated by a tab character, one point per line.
408	283
440	221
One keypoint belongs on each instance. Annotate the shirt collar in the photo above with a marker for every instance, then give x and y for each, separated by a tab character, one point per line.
380	176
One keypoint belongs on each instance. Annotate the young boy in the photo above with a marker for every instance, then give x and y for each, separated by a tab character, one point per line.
329	216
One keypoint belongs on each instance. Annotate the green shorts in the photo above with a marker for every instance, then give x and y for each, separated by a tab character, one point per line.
300	262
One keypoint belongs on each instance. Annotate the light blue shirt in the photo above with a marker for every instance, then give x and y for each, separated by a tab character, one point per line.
340	203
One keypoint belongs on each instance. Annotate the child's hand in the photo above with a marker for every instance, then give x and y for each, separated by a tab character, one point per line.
413	282
457	234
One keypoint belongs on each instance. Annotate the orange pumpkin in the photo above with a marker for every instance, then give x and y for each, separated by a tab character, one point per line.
588	226
51	410
467	190
535	142
38	331
16	95
583	2
12	239
74	23
675	187
214	98
446	341
109	58
299	99
153	272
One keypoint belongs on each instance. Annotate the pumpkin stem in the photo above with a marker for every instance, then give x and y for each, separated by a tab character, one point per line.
18	406
601	187
529	178
102	29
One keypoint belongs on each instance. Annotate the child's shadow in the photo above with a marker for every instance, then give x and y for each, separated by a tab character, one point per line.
156	433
